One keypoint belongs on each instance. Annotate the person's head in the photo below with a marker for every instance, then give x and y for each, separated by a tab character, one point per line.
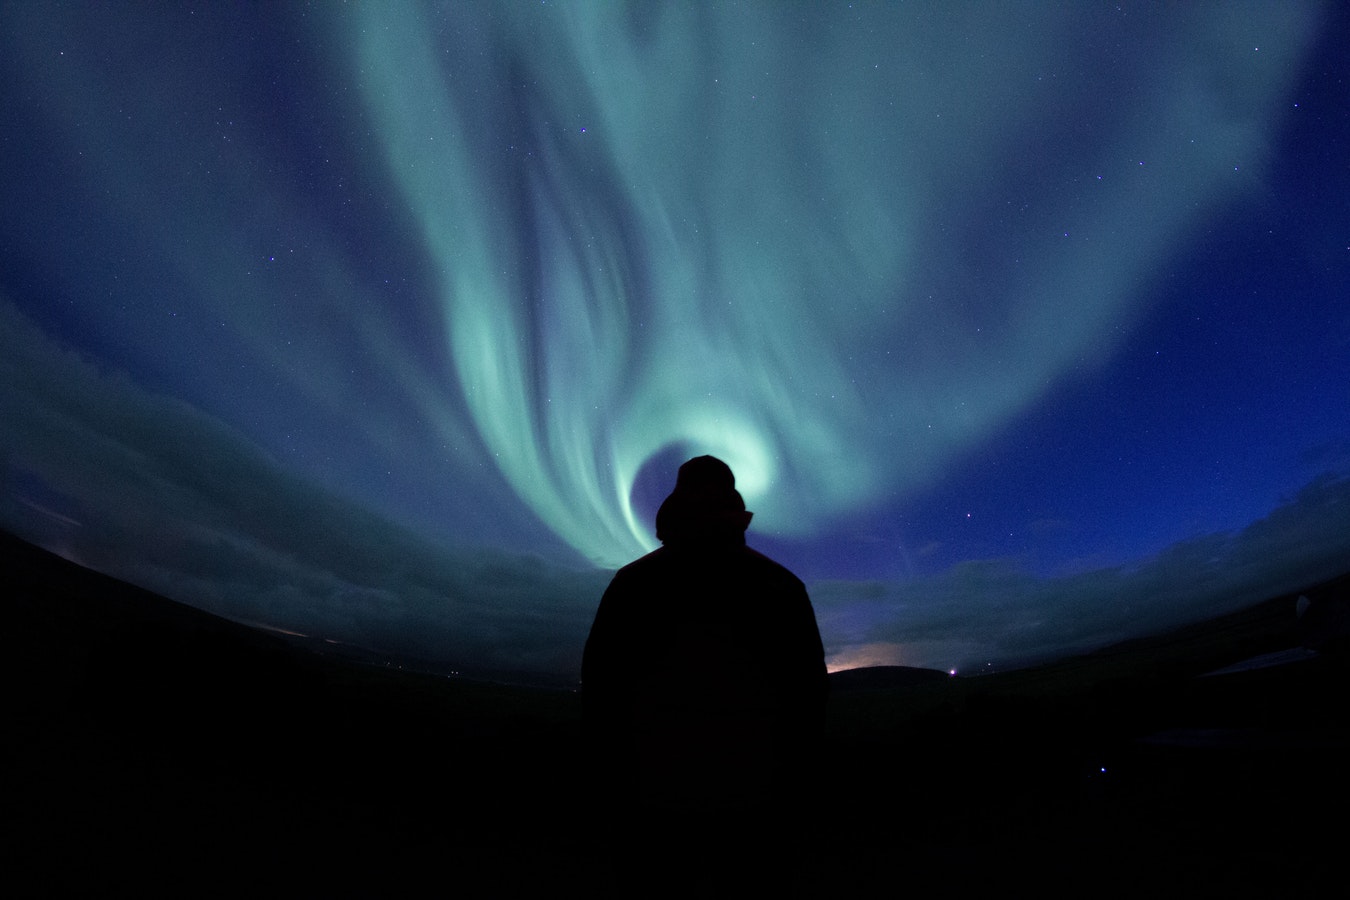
705	506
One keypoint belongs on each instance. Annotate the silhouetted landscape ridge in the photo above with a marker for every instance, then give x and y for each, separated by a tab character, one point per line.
160	746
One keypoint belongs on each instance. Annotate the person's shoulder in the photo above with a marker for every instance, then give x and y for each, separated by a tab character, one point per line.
644	566
771	568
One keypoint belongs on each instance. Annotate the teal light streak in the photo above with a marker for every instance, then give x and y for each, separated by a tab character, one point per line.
837	251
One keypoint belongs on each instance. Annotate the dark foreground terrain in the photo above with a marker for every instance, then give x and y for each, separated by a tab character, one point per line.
156	750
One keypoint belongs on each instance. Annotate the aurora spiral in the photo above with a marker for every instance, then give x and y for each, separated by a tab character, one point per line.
1020	324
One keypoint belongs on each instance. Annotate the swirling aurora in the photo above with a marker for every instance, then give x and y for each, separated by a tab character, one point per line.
389	324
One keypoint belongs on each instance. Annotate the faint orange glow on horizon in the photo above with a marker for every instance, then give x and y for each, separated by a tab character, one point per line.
859	656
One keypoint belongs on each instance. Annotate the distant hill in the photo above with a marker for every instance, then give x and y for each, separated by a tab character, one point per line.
84	638
874	678
136	722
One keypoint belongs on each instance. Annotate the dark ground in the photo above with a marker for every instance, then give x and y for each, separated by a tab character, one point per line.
157	750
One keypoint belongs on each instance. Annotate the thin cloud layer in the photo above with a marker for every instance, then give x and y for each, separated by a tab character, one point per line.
994	613
173	500
155	492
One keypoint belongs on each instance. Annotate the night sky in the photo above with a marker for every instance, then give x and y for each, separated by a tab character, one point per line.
1023	326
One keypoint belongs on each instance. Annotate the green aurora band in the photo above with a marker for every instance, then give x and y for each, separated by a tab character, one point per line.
835	250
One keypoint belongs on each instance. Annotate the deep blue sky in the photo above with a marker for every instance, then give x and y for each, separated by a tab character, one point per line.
1024	327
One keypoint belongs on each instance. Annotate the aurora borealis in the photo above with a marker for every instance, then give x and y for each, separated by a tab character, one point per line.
1022	325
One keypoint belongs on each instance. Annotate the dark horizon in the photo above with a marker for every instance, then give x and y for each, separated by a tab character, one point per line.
41	569
157	746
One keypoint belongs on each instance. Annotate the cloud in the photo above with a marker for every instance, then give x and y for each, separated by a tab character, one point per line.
151	490
993	611
171	499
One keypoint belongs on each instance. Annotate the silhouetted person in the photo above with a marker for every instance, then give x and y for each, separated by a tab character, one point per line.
703	680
